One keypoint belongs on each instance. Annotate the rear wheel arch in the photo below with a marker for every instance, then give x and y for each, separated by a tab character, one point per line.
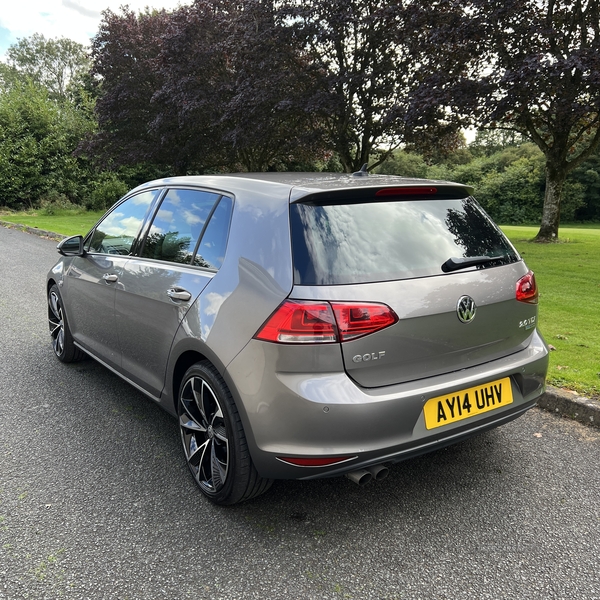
183	363
187	359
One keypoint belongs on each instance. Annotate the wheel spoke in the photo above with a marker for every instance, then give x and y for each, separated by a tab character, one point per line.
187	422
54	306
196	453
220	433
54	327
204	471
56	324
59	341
218	469
209	403
198	393
190	405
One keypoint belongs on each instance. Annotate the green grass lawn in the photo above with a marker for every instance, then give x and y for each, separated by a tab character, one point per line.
65	222
567	274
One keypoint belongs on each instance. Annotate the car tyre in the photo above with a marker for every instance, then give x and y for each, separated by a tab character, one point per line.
62	341
213	438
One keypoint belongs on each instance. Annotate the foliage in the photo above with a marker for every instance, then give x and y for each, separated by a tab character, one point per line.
37	138
587	176
126	76
374	55
489	141
508	183
210	86
222	84
54	203
352	43
406	164
544	84
46	109
58	65
313	85
105	190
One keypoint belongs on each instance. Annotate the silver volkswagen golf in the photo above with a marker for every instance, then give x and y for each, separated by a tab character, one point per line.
302	326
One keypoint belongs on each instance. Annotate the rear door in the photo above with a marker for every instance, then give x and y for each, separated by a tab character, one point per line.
183	249
437	260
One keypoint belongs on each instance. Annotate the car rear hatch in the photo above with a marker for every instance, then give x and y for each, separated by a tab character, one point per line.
431	255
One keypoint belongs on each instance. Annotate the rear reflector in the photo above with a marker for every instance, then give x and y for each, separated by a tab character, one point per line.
309	322
527	290
302	461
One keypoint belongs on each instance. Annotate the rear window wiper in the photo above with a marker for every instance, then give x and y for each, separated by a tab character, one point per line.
454	263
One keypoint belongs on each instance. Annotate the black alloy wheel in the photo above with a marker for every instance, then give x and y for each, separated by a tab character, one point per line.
213	438
62	340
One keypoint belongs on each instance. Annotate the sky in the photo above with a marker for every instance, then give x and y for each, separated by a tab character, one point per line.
74	19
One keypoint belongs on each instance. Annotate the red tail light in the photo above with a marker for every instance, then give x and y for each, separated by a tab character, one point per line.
307	322
300	323
527	290
356	320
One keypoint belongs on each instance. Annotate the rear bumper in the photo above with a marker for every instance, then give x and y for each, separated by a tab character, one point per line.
327	414
429	445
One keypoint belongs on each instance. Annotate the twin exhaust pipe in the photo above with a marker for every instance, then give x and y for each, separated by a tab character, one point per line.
363	476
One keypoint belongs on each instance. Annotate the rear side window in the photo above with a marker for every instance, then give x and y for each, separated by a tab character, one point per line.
211	250
384	241
190	227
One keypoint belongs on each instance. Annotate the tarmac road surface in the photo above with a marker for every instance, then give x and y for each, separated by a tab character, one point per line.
96	501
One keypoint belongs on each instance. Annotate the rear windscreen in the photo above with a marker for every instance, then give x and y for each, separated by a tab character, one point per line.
382	241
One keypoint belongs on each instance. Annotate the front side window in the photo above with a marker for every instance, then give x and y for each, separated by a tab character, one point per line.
118	230
382	241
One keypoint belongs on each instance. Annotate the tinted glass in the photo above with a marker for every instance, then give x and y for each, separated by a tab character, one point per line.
211	250
118	230
383	241
178	224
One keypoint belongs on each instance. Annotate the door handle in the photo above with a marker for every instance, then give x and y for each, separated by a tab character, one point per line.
178	294
110	277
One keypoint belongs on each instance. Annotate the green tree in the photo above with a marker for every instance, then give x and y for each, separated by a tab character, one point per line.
544	84
37	140
587	175
405	164
59	64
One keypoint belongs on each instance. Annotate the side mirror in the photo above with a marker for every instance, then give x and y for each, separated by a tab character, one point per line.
71	246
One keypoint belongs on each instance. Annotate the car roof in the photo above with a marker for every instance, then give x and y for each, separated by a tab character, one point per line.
296	186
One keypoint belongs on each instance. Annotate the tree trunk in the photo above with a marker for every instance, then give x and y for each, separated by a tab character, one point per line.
555	181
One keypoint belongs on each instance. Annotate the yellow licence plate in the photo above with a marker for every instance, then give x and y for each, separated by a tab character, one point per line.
463	404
